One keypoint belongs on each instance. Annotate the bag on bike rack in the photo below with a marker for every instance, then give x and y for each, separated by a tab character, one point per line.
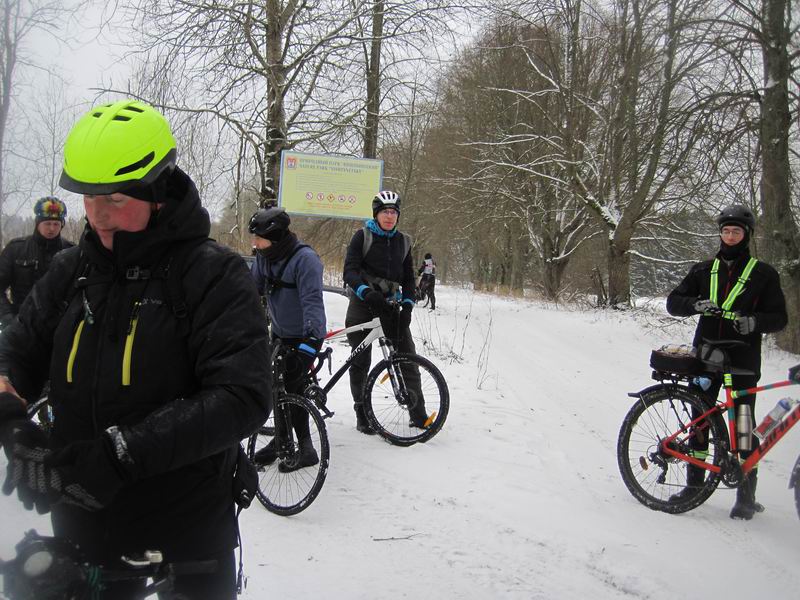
681	360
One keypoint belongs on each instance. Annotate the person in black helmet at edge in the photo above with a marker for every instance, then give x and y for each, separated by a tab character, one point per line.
154	341
384	274
729	311
289	273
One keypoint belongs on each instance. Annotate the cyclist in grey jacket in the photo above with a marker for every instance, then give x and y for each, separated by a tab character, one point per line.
289	273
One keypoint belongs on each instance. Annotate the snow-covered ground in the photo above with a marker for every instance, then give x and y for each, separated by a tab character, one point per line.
519	496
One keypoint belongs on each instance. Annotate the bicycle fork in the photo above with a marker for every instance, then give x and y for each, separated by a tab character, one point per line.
394	373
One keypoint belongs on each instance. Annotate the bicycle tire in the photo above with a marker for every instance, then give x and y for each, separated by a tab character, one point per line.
797	499
389	416
794	481
289	493
654	478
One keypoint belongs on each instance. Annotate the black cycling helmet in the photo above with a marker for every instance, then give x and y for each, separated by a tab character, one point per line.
428	255
385	199
270	223
737	214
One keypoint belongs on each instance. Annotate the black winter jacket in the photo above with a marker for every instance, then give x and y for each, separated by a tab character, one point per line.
185	398
384	259
22	263
762	298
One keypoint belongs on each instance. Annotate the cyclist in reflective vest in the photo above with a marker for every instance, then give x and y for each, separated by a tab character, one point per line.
737	298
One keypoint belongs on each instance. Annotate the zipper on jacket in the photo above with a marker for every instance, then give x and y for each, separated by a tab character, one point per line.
76	339
126	355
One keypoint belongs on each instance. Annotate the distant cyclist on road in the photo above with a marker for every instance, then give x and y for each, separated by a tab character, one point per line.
289	272
427	282
383	273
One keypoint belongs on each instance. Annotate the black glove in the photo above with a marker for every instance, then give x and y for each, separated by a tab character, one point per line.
376	302
404	318
744	325
707	306
90	472
26	447
794	373
86	474
307	350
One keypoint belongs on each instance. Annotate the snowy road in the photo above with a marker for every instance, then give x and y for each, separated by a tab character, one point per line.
519	496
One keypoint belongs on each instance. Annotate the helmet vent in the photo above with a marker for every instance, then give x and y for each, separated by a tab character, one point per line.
143	162
134	109
97	114
121	118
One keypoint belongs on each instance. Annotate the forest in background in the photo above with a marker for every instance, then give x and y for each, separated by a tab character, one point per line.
569	149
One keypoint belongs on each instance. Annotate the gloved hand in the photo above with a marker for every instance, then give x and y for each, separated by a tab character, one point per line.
86	474
794	373
307	351
404	318
26	447
90	471
744	325
707	306
376	302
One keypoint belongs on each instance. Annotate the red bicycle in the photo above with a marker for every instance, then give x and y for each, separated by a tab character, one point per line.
673	425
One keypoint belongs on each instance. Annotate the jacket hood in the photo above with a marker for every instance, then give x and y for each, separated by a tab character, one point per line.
182	218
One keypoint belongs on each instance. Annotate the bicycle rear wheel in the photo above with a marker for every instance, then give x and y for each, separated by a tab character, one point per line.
656	479
288	493
392	397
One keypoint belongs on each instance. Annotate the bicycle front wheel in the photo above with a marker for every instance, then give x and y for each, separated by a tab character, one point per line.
406	399
283	488
656	479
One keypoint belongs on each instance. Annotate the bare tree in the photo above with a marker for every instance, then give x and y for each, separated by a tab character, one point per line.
19	20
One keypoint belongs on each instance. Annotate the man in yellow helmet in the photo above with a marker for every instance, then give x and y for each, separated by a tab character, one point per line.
26	259
156	349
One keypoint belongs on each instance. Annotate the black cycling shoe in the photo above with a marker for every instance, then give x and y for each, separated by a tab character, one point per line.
423	422
362	424
306	457
365	429
266	456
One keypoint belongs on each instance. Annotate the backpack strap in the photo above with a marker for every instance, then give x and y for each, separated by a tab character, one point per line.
173	279
277	282
367	244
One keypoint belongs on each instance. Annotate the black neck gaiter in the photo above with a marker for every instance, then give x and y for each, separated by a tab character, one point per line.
280	249
735	251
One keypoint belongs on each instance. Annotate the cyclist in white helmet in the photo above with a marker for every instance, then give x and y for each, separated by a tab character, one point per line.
378	271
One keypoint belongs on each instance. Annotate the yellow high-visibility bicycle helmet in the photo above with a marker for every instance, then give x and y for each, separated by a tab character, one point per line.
115	147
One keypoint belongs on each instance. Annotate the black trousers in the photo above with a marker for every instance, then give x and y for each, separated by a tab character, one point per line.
87	530
359	312
428	285
295	381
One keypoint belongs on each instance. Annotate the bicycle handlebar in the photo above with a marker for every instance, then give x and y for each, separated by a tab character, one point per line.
52	568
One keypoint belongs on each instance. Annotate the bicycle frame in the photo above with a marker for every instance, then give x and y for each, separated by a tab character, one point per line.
729	407
375	333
